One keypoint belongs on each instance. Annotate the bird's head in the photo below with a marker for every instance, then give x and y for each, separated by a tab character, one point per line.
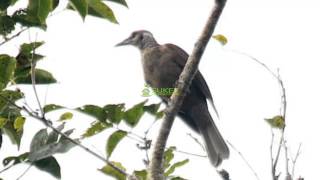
141	39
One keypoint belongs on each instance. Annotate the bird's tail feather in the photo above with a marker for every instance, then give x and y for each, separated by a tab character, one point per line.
216	147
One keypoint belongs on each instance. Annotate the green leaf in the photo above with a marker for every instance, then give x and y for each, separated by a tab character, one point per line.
49	165
4	4
8	114
24	17
24	63
19	123
152	108
174	166
142	174
66	144
94	111
122	2
99	9
15	159
42	77
27	48
7	110
66	116
7	25
168	156
177	178
160	114
53	136
221	38
51	107
7	67
114	140
14	136
10	95
81	6
3	121
96	127
49	149
55	4
1	138
276	122
40	9
133	115
115	112
39	139
108	170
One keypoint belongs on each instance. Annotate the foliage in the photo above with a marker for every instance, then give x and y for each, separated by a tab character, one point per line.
21	68
276	122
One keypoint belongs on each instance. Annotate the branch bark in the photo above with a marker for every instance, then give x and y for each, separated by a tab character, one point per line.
185	79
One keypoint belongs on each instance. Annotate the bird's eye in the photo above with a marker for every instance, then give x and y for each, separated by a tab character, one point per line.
140	37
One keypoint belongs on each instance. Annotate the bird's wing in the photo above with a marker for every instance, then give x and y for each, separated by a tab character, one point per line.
198	81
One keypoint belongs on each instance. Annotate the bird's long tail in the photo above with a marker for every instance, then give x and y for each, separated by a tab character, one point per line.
216	147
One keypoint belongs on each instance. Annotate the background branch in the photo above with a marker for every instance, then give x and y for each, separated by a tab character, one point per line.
283	112
12	37
244	159
189	71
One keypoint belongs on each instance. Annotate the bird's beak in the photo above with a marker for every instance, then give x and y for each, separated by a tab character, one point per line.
124	42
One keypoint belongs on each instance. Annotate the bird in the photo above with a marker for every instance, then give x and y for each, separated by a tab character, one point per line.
162	66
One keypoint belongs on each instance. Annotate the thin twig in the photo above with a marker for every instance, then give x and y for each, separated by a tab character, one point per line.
276	159
197	141
190	154
288	175
33	79
294	161
25	171
244	159
189	71
13	36
271	155
283	111
6	168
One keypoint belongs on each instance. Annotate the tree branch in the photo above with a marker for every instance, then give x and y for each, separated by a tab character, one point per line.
189	71
12	37
283	112
244	159
294	161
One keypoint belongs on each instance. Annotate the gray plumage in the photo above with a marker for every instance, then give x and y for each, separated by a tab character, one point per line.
162	65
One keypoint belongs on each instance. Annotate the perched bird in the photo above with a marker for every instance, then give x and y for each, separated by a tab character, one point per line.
162	65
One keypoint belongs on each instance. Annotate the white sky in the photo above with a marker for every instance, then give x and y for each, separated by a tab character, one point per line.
90	70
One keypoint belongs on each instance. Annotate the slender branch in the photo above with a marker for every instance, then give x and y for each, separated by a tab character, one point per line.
288	175
25	171
189	71
283	111
33	80
6	168
294	161
244	159
274	166
197	141
190	154
271	155
12	37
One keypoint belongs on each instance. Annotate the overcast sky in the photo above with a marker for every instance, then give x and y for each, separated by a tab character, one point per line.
90	70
